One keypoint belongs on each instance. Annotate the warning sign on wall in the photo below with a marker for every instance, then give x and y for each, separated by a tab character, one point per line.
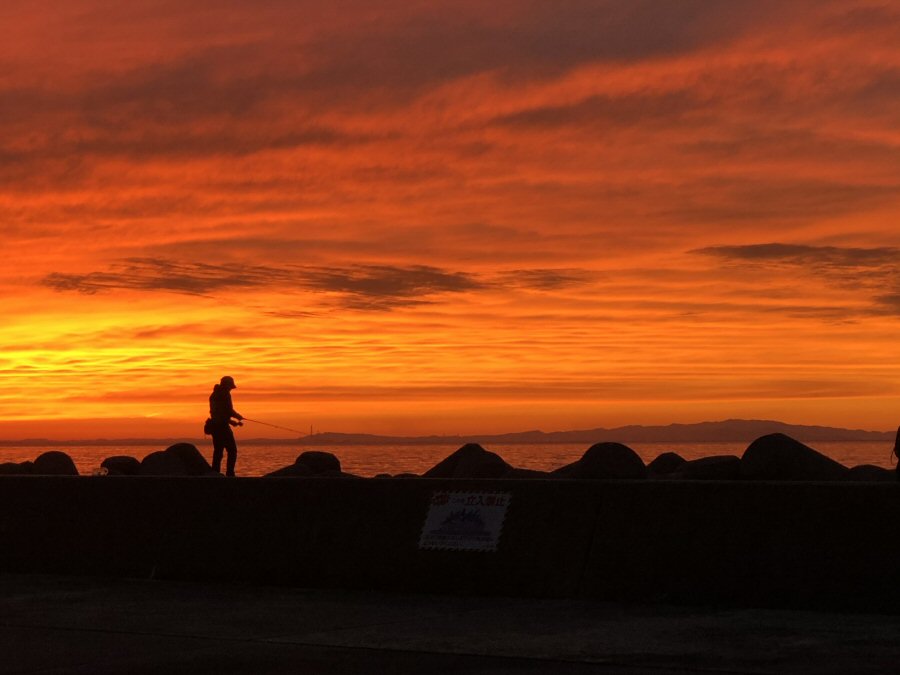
464	521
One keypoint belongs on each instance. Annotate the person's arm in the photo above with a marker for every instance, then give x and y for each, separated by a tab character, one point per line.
235	415
232	412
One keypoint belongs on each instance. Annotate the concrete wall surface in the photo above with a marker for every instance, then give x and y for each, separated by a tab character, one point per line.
784	544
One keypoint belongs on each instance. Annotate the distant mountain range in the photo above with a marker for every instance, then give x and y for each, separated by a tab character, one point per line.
726	431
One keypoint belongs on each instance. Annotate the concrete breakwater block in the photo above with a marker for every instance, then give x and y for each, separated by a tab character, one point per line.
473	461
665	465
470	461
318	461
181	459
54	463
715	467
162	463
606	461
868	473
191	458
16	468
780	457
312	463
121	465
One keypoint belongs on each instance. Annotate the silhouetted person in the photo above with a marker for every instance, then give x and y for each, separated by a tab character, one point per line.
222	417
897	452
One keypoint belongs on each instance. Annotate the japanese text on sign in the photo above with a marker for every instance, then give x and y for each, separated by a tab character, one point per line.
464	521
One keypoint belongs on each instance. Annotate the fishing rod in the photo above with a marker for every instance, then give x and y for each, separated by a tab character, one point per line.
275	426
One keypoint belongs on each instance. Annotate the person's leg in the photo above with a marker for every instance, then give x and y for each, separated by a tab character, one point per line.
218	446
232	459
231	449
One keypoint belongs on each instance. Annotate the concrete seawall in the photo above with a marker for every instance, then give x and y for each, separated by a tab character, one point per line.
757	543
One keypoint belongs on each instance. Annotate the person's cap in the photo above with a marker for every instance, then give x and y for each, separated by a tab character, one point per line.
228	381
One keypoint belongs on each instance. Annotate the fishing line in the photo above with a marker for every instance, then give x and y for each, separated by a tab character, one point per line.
276	426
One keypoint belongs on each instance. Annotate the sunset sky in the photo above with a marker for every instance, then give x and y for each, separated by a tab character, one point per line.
448	217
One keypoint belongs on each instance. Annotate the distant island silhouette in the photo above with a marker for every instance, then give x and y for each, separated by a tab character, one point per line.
725	431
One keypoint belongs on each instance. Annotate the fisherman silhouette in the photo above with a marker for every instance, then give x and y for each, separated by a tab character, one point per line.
897	452
223	416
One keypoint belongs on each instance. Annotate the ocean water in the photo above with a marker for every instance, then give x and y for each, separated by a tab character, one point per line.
368	460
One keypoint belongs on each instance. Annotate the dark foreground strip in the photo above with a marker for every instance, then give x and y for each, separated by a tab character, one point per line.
281	655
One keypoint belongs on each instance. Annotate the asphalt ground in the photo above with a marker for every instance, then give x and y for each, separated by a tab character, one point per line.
55	624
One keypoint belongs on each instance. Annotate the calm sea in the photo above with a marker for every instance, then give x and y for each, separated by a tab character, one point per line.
367	460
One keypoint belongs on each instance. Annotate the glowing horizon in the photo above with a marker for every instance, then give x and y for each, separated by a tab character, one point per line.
449	218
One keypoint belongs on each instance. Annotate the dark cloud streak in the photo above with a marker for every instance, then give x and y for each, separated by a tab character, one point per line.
152	274
546	279
442	44
361	287
799	254
600	112
869	273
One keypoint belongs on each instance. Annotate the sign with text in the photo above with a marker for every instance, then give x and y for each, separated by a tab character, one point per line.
464	521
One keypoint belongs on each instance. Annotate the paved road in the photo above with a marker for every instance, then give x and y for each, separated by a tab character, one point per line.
53	625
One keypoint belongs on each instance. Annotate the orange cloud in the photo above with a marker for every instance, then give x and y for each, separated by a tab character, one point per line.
391	218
